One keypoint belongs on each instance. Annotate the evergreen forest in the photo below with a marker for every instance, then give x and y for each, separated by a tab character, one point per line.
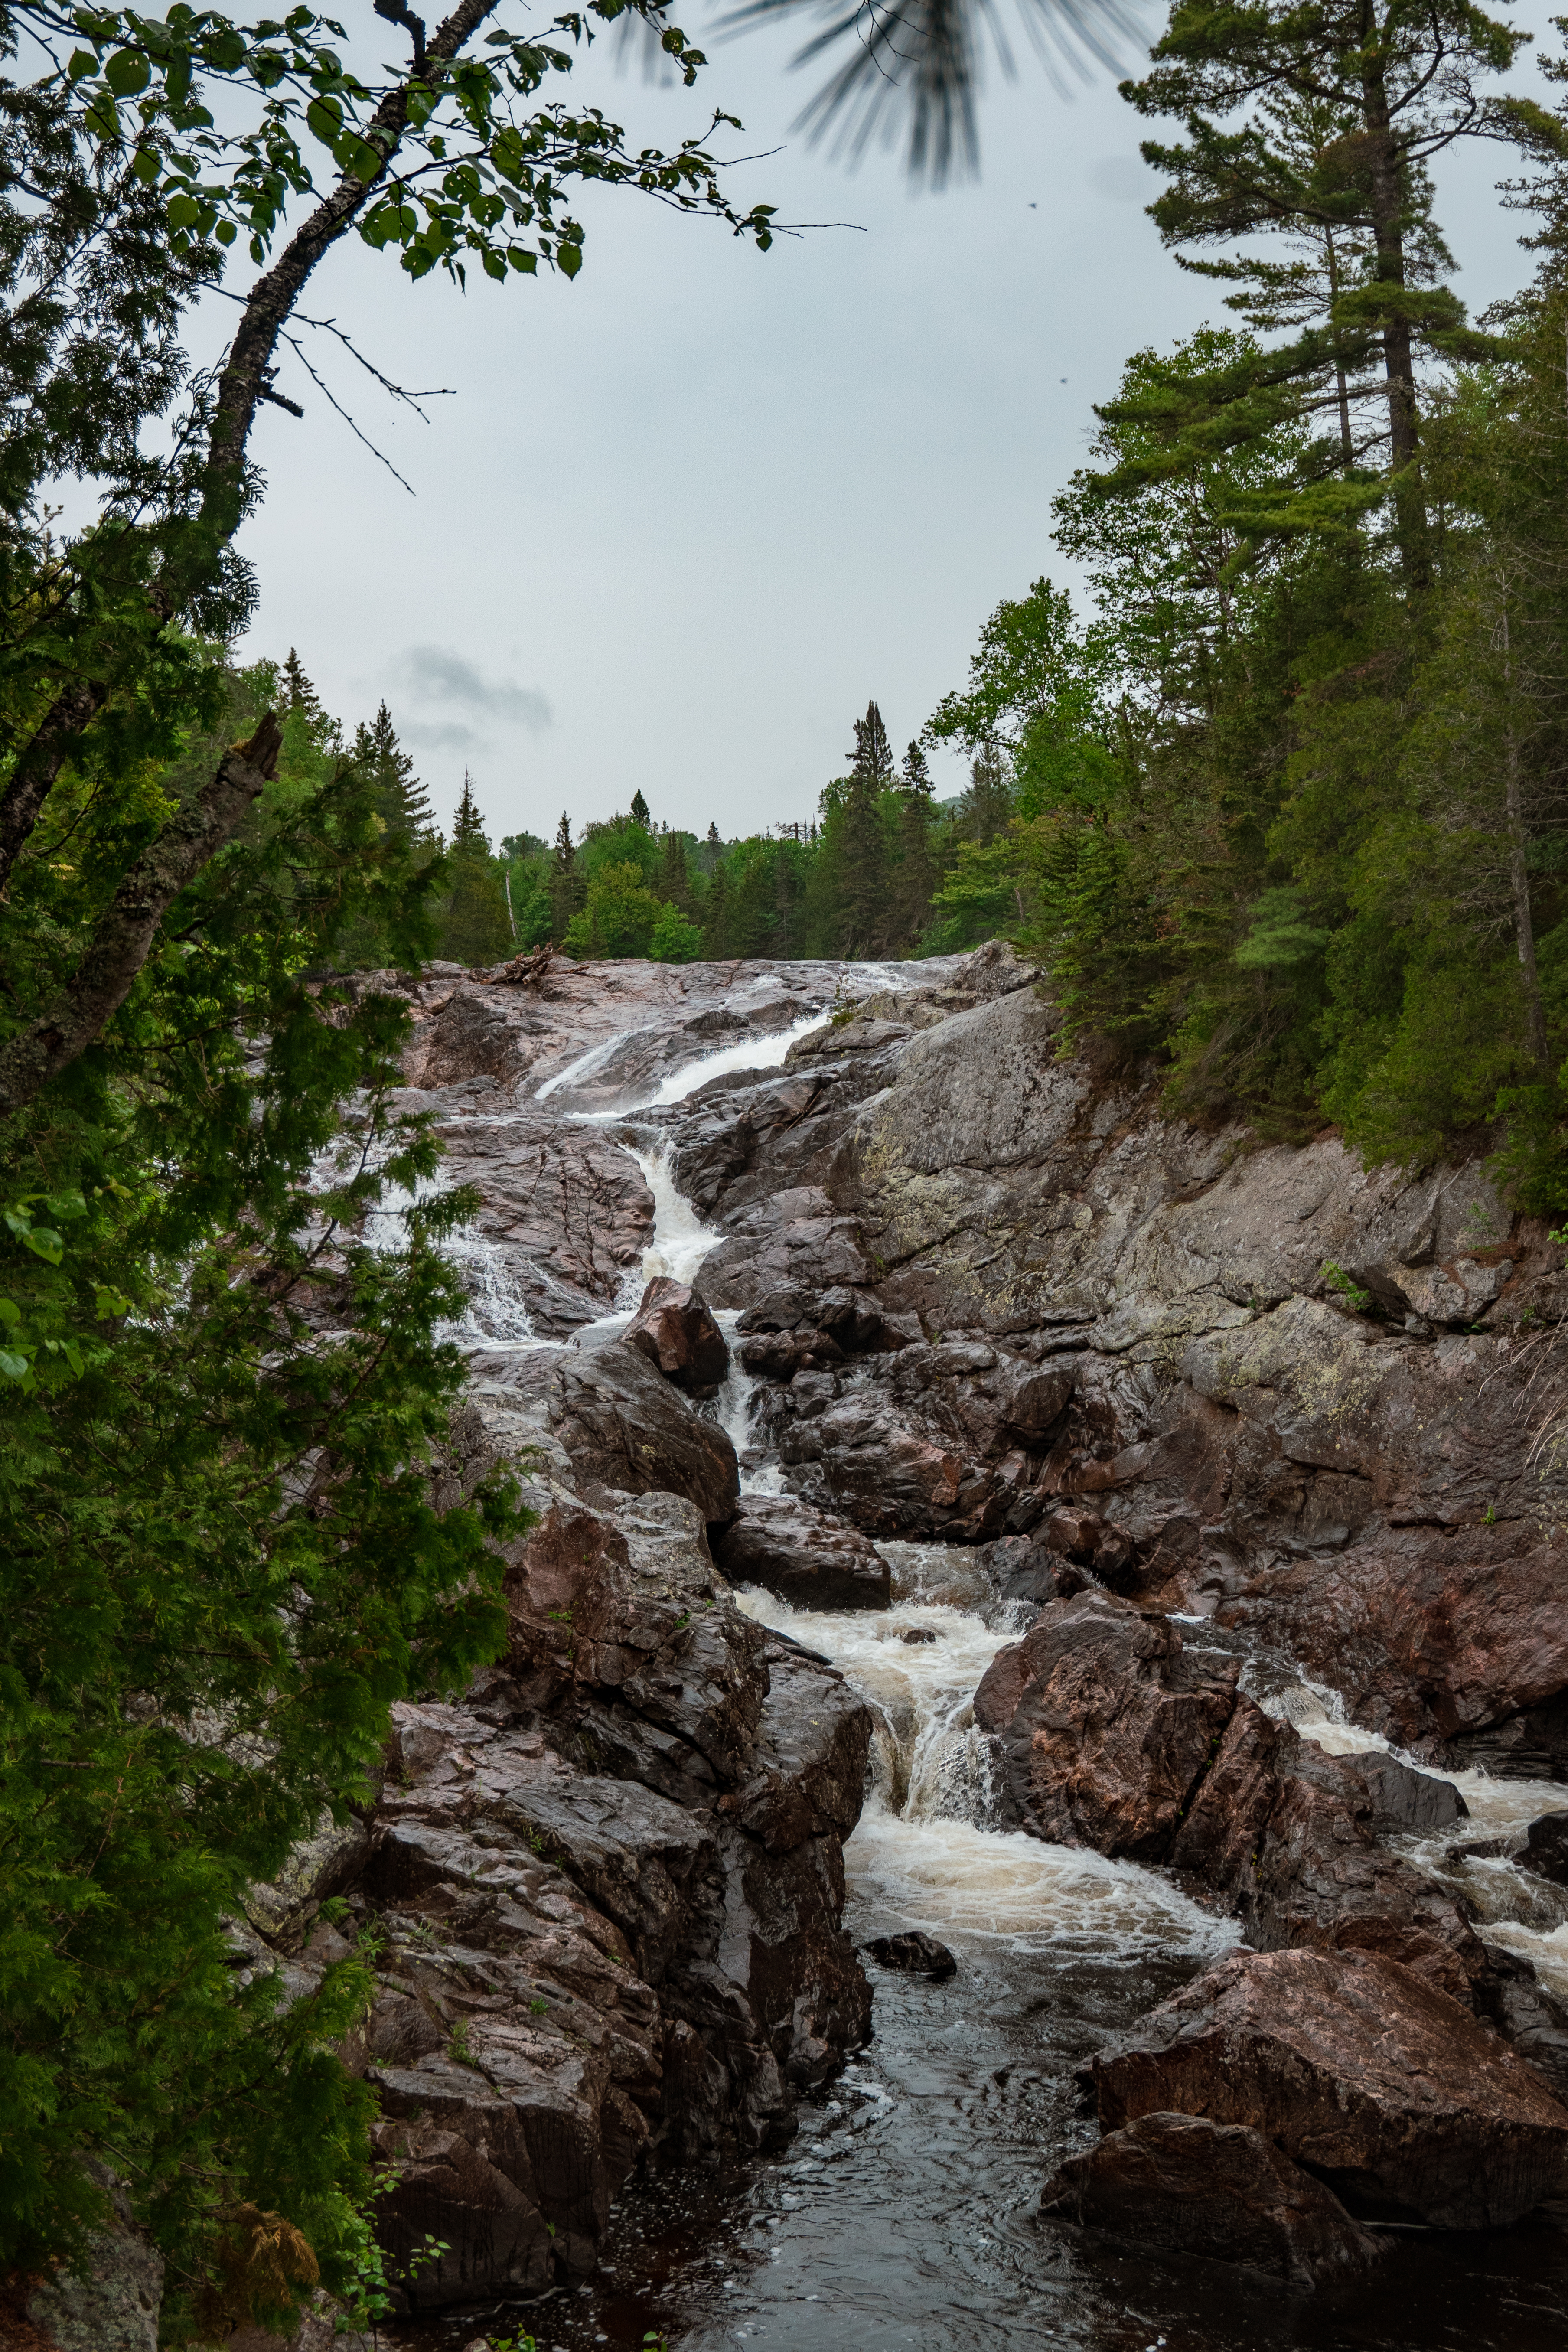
1276	796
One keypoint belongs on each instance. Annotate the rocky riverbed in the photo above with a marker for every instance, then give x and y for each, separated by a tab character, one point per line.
1128	1554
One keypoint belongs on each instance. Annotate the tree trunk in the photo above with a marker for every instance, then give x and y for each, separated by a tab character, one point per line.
1519	872
1387	206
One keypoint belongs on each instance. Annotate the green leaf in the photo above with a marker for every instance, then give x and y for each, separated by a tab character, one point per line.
324	117
569	260
225	232
10	1313
184	211
82	63
145	165
127	72
44	1243
14	1366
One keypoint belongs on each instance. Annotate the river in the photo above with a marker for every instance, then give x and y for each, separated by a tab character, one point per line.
904	2212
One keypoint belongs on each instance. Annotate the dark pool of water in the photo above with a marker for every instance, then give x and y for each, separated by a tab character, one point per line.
904	2215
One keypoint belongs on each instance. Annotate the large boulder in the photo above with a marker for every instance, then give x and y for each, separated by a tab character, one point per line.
624	1427
1183	2185
1375	2081
674	1329
1112	1734
1106	1724
809	1559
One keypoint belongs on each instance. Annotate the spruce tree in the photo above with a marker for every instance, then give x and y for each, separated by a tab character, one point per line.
567	887
641	813
674	887
917	872
298	695
988	803
468	825
862	860
401	800
476	926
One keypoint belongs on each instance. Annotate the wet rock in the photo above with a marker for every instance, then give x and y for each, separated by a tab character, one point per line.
1183	2185
1546	1848
674	1329
1408	2107
809	1559
624	1427
1508	1994
914	1953
1030	1568
1106	1724
1404	1799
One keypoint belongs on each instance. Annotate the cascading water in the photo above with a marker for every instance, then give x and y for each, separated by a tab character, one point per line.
1524	1914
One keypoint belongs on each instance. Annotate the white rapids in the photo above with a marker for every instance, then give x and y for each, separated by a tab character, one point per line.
1524	1914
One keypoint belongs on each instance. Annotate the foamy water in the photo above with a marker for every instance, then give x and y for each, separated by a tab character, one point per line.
924	1845
1526	1915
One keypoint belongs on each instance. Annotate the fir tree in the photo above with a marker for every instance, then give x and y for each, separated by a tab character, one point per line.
640	811
713	850
401	800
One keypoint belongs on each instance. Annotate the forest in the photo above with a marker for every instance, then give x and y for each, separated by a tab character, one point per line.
1275	799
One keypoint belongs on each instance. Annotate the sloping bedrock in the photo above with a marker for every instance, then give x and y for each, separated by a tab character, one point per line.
1359	2071
1379	1494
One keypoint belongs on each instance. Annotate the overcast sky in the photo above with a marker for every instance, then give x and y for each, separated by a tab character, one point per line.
681	518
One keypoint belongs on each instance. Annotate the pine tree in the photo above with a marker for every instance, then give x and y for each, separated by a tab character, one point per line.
568	889
641	813
401	800
1333	114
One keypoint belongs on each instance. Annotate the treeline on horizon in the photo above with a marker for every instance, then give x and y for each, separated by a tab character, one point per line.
869	879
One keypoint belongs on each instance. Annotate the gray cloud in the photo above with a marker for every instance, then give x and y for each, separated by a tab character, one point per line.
445	736
435	674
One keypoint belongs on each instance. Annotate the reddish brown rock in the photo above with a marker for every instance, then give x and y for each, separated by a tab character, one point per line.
625	1428
1106	1725
674	1329
1183	2185
1356	2068
809	1559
